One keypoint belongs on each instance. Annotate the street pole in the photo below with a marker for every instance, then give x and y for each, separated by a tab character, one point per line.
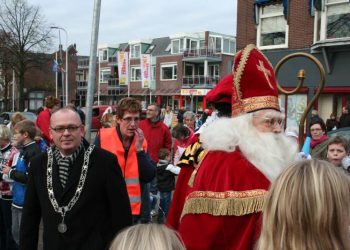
56	77
99	79
64	93
92	67
13	90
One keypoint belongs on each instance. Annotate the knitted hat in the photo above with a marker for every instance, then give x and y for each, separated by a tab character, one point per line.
254	83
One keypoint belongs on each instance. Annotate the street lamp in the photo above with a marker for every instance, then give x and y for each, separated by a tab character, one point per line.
66	85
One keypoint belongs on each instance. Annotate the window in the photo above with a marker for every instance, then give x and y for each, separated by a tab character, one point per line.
153	72
229	46
191	44
177	46
272	29
136	73
214	70
105	75
334	21
189	70
36	100
135	51
215	43
168	72
104	55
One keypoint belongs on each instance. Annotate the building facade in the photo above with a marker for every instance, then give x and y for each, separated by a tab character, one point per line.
184	67
318	27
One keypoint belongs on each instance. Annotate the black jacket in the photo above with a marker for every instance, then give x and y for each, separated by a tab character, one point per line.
165	178
101	211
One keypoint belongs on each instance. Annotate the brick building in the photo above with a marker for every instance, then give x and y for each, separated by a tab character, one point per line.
40	81
184	67
319	27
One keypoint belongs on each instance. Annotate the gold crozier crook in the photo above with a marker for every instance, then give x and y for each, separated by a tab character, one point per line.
301	77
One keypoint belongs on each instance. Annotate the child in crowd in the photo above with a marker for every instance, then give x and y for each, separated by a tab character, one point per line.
307	209
24	133
337	150
40	140
165	181
147	236
7	153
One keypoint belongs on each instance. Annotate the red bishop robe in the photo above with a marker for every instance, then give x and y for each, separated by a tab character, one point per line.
223	209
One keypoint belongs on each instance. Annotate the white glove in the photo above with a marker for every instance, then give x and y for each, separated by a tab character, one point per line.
303	156
346	162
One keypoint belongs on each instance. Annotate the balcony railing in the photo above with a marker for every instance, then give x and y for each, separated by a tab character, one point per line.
112	60
114	83
199	81
84	63
82	84
203	52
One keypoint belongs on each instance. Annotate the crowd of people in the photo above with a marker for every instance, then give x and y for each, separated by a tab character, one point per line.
230	178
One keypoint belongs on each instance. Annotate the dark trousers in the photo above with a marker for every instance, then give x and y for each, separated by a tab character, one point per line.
145	216
164	205
6	239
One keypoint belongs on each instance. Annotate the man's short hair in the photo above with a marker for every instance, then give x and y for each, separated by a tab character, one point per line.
339	140
26	126
162	153
156	106
128	104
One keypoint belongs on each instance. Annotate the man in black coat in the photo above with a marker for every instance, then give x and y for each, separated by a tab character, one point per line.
77	189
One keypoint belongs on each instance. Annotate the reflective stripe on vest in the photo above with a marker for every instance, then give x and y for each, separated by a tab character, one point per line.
110	141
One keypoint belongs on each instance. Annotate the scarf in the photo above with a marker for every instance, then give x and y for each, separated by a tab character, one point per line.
65	163
314	143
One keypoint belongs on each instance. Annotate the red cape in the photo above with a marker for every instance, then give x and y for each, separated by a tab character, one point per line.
223	209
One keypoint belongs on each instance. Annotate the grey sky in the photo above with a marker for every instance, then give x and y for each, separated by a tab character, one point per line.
125	20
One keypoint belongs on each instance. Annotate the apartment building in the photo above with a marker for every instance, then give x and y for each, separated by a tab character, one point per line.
184	67
318	27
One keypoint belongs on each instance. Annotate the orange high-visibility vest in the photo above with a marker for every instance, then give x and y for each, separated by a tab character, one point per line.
110	141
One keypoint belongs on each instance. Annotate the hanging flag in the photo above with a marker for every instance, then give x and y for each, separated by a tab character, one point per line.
123	67
145	61
55	66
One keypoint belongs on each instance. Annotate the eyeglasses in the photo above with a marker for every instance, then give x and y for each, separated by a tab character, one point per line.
70	129
273	122
153	110
315	129
128	120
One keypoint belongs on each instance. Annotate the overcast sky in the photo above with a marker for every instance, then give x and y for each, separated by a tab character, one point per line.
126	20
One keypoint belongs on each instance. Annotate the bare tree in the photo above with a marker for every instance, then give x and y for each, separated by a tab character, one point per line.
26	38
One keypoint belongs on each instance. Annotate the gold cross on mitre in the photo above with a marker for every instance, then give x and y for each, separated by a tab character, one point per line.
266	72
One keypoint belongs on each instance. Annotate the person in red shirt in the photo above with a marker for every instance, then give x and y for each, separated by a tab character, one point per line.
158	136
43	121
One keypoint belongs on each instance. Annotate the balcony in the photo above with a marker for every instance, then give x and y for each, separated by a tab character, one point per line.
83	63
113	83
199	55
82	84
199	81
112	60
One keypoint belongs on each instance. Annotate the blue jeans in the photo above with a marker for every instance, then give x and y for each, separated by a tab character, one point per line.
16	223
164	204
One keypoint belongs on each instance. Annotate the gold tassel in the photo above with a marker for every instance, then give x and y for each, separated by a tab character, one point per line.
191	180
223	207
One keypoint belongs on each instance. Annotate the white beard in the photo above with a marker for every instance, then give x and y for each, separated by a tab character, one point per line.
269	152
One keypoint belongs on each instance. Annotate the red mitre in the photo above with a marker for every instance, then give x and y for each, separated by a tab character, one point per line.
254	83
222	91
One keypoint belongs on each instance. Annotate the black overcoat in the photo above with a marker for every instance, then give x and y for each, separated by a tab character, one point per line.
101	211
